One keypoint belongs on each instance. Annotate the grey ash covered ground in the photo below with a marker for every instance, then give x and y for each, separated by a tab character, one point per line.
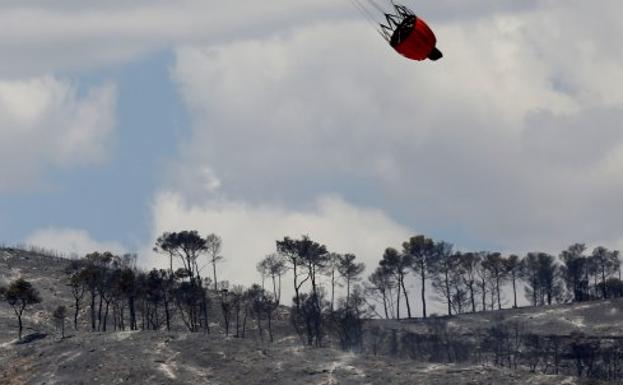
181	358
147	357
596	318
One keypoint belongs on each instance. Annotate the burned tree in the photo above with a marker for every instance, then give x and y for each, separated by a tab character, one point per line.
314	257
347	320
574	272
468	269
398	264
331	270
77	283
238	305
307	259
421	251
227	306
289	249
380	289
273	266
443	269
495	265
59	316
128	289
262	305
606	263
164	246
20	294
513	271
213	245
191	296
349	271
540	273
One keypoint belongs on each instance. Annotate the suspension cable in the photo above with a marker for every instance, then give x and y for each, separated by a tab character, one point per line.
363	10
377	6
369	17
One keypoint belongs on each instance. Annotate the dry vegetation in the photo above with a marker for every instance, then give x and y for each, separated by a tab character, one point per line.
179	357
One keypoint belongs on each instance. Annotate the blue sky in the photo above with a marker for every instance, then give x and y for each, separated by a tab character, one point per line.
121	121
111	200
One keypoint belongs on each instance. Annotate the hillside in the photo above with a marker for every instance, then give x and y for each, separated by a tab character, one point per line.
180	358
595	318
46	273
149	357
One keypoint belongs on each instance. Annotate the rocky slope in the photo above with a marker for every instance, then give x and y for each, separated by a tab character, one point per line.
181	358
185	358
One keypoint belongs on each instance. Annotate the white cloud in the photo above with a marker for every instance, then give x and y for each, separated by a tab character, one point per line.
249	231
42	35
66	35
511	140
44	122
475	144
71	242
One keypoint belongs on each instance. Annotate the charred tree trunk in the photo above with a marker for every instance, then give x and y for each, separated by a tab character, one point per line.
472	296
205	312
99	313
214	270
404	290
76	312
279	290
167	313
385	304
244	322
20	326
483	288
270	328
497	284
105	317
333	289
93	327
448	294
238	322
514	293
115	316
274	287
122	316
133	325
398	301
423	279
260	331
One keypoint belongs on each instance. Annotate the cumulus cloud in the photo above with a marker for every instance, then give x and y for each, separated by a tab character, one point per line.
249	231
88	34
72	242
44	122
470	146
70	34
511	141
